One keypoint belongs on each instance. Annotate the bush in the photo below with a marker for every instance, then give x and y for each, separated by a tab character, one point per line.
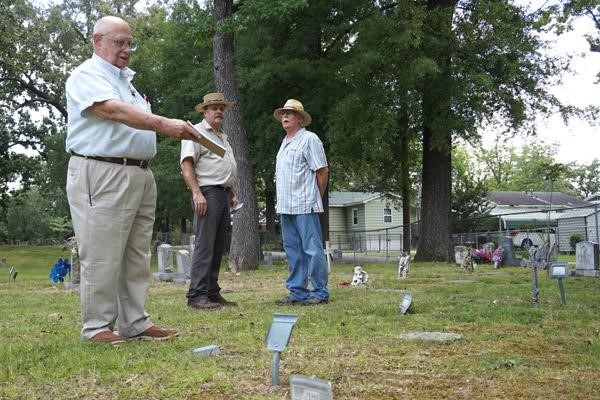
575	238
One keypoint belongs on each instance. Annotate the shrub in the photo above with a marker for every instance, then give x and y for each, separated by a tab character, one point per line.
575	238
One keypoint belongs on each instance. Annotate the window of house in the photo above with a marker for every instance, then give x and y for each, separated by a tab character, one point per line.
387	215
355	216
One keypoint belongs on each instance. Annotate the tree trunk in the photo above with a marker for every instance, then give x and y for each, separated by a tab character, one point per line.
405	191
270	210
243	253
435	229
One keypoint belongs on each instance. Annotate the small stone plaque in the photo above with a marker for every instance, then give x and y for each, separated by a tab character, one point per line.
305	388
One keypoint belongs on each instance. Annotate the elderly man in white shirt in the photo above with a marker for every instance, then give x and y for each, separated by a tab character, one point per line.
111	191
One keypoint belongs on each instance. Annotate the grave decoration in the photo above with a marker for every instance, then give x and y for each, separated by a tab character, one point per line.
12	274
497	257
60	270
558	271
403	265
467	262
361	277
277	339
480	255
537	259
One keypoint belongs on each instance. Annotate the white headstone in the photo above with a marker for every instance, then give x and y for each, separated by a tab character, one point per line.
586	256
165	258
459	254
184	263
305	388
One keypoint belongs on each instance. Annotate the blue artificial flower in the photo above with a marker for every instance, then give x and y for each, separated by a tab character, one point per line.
60	270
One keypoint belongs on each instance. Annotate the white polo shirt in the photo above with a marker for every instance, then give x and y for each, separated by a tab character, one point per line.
94	81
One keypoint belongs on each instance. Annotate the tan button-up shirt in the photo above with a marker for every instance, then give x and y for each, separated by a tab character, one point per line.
210	168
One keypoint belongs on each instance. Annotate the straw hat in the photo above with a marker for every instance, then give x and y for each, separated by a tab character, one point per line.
296	106
211	99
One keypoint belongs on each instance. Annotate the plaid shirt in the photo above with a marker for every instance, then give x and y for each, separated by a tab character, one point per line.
297	160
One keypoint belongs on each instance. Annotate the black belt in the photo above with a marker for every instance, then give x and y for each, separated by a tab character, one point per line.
226	189
116	160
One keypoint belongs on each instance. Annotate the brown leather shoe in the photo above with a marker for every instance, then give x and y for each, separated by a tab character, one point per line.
204	303
221	300
108	337
156	333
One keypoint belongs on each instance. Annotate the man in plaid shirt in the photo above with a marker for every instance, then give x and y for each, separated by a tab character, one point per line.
301	178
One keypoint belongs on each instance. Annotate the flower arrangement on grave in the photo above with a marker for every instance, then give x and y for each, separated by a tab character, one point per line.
60	270
480	256
497	256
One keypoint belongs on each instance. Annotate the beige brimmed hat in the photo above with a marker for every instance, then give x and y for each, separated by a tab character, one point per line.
293	105
211	99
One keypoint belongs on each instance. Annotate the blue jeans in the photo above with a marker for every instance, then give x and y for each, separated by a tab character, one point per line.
303	246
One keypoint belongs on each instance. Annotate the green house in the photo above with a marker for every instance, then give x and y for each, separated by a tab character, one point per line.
366	221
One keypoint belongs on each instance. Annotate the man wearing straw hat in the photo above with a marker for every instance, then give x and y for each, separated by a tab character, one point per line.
301	177
211	179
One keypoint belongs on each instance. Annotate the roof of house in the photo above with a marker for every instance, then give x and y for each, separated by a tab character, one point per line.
539	199
345	199
578	213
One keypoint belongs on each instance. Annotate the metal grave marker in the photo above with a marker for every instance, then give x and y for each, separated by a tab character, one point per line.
558	271
406	304
535	261
277	339
305	388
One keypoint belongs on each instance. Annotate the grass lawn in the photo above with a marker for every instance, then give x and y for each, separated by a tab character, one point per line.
510	349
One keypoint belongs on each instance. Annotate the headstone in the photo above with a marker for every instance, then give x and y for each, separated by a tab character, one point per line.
207	350
459	254
268	258
508	251
3	263
488	248
586	259
306	388
165	258
431	336
184	263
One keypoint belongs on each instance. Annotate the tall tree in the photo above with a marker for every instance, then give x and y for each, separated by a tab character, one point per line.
243	253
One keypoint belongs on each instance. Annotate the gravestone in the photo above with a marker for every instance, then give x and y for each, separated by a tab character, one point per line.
508	251
268	258
488	248
165	258
184	263
3	263
306	388
166	271
586	259
459	254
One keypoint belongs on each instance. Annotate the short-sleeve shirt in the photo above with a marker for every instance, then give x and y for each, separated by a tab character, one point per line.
298	160
210	168
95	81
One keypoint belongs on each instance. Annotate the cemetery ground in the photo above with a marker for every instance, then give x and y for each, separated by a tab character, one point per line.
509	348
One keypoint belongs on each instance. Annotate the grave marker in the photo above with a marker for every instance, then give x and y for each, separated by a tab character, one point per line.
586	259
535	261
508	251
277	339
305	388
559	271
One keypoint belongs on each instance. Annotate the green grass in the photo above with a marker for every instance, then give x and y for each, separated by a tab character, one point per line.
510	349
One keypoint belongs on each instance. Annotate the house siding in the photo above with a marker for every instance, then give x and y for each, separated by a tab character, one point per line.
567	226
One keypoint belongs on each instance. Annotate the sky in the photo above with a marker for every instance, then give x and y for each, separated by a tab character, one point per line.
579	141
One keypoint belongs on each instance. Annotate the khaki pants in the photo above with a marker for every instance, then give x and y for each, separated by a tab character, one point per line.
112	208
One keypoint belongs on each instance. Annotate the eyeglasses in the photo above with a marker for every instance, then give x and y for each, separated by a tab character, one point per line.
120	43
